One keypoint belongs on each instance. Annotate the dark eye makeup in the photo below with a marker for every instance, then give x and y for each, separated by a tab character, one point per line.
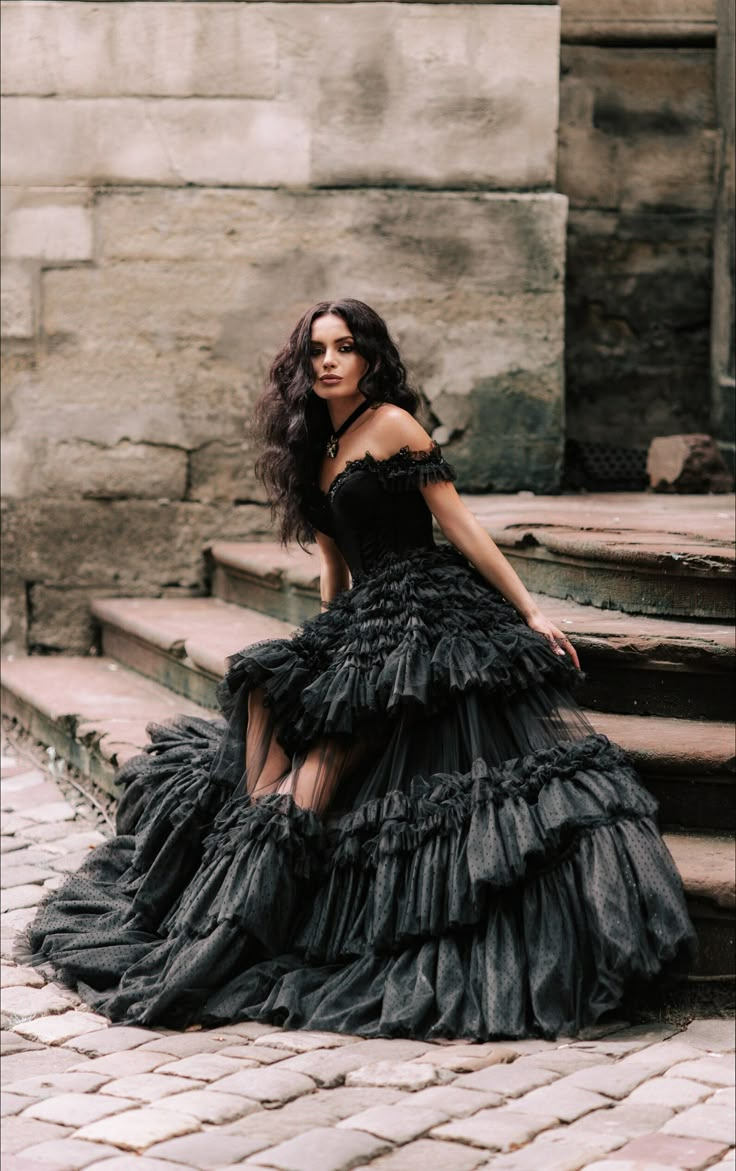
344	348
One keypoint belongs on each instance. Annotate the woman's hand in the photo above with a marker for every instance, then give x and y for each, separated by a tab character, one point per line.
559	642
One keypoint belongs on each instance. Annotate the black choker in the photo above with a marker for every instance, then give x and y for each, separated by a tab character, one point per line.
332	443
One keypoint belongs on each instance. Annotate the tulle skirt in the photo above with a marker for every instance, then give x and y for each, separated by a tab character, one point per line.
402	825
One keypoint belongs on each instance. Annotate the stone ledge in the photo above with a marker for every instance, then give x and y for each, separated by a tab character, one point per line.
640	33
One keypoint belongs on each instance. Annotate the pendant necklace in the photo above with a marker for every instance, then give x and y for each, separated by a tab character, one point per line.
333	442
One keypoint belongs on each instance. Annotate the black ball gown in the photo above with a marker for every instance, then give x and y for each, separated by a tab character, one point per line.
486	866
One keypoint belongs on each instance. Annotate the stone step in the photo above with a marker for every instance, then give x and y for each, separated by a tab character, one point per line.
94	712
706	864
636	552
671	556
183	644
644	665
688	765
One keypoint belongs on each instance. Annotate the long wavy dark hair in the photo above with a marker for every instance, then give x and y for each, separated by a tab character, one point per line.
292	424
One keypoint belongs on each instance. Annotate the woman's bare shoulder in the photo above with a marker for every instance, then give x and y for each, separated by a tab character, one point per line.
395	428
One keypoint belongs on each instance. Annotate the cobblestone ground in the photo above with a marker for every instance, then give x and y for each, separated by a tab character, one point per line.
79	1093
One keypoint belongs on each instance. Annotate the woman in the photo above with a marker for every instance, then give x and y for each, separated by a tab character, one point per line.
406	826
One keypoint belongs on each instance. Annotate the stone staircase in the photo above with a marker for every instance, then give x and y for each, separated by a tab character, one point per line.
660	685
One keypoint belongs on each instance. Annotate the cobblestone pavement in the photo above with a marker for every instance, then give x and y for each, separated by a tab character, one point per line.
79	1093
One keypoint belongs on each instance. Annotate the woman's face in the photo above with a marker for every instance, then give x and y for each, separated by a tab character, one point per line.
337	365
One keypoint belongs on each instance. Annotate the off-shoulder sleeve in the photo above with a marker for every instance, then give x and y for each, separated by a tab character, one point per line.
409	469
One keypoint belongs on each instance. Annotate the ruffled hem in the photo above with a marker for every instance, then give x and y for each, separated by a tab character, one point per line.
550	958
452	843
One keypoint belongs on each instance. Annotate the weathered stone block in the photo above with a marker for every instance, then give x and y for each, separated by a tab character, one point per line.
50	232
16	302
511	433
329	1150
454	1101
36	1062
13	1104
637	339
496	1130
144	471
13	613
208	1106
14	899
50	1085
723	307
687	463
411	93
54	1030
505	243
675	1092
85	468
224	471
145	310
207	1067
429	1155
135	394
76	1109
73	550
133	140
126	543
116	1040
637	128
59	619
670	1150
397	1124
269	1086
326	1067
399	1075
134	1130
173	50
149	1087
715	1034
20	1133
713	1071
20	1003
213	1148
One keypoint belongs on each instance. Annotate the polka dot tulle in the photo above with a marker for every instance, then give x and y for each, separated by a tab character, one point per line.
478	864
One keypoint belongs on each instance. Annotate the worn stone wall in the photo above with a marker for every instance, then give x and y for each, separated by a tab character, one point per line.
181	180
636	159
723	330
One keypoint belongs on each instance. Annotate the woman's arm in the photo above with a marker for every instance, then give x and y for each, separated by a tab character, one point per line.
334	575
468	535
395	428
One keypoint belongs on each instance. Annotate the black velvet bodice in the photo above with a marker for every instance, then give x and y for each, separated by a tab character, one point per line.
374	507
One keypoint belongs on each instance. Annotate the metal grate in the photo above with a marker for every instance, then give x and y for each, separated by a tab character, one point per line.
604	468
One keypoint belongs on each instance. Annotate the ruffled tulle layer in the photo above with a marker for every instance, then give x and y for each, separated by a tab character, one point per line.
521	899
422	629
